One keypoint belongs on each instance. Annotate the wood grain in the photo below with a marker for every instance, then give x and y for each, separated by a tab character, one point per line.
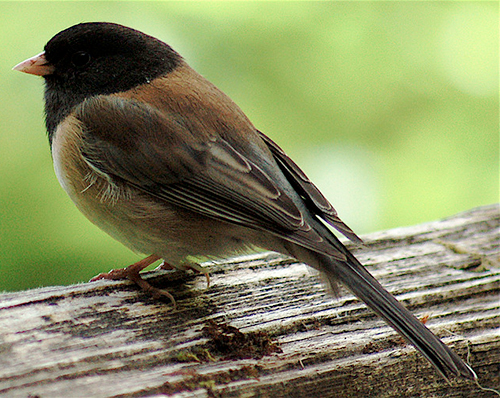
106	339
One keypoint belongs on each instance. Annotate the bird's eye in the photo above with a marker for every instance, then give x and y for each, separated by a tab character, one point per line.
80	58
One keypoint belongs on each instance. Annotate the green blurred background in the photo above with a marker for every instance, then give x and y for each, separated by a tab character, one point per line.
390	107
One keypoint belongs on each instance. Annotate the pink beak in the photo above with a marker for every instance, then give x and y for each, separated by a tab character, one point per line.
36	65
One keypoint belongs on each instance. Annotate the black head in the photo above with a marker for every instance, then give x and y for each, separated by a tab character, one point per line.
95	58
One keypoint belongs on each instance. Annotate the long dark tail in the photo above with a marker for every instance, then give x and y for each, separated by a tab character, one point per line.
362	284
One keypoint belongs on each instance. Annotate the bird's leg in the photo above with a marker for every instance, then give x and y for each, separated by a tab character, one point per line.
132	272
165	266
124	273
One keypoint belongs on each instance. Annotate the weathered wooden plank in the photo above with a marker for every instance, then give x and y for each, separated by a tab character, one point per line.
106	339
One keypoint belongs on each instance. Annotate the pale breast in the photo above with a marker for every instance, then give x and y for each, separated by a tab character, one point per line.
68	164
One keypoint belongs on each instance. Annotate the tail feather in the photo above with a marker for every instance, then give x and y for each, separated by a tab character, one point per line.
362	284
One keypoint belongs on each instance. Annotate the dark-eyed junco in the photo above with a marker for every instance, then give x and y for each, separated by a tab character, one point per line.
167	164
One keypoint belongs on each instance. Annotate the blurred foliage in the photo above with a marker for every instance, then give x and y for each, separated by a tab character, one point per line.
391	107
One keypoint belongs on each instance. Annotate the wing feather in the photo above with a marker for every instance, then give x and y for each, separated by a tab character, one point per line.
311	194
132	142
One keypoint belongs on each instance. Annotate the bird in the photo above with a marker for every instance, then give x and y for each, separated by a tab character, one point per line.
163	161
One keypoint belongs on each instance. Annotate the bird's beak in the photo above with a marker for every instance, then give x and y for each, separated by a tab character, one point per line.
36	65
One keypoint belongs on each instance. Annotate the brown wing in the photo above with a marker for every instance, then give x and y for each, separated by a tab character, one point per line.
132	142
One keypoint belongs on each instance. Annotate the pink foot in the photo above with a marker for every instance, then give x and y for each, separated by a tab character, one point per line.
132	273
